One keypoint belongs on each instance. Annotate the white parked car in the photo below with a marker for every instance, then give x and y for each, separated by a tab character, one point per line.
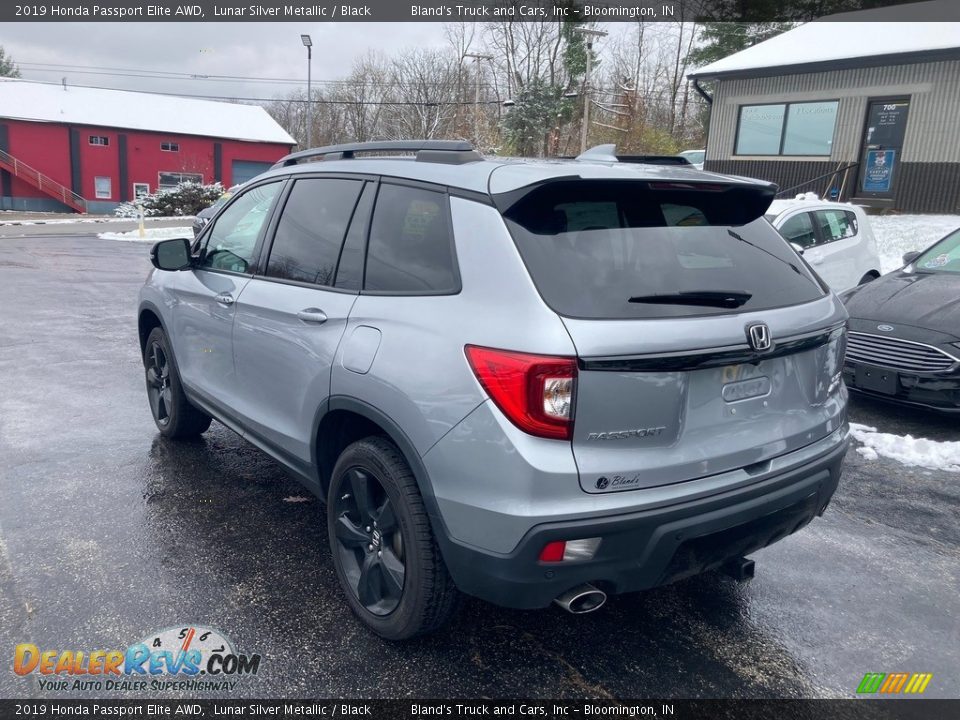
695	157
835	238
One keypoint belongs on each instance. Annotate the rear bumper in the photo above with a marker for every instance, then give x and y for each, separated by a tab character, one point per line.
653	547
933	392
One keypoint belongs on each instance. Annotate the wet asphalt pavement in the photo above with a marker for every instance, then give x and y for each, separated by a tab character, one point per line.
108	533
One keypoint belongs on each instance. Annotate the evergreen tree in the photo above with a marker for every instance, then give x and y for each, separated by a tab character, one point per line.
7	67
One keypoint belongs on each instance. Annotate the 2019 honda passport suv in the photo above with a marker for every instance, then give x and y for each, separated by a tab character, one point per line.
525	381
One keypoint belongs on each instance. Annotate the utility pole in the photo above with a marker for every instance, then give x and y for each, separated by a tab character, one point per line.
308	44
476	95
585	129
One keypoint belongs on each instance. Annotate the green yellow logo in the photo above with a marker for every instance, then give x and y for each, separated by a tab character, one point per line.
894	683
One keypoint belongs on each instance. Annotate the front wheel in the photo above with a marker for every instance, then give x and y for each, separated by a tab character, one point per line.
384	552
173	414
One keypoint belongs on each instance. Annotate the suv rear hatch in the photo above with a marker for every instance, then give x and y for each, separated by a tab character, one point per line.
658	284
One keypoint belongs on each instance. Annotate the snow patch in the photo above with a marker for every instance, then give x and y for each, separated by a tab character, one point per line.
906	449
296	499
149	234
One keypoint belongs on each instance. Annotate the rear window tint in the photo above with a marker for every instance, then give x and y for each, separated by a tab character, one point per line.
595	248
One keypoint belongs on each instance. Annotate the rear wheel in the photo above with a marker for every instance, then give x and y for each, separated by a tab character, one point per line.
173	414
384	552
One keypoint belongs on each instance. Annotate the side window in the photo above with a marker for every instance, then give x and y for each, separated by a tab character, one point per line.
836	224
350	267
410	248
231	242
311	229
799	230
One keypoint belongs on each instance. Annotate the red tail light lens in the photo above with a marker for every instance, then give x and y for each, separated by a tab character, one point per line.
535	392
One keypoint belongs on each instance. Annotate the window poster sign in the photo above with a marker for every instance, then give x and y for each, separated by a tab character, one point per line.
878	175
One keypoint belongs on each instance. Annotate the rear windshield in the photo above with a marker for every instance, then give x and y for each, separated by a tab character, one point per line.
649	250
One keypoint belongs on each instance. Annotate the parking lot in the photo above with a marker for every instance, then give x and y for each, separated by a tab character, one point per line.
108	533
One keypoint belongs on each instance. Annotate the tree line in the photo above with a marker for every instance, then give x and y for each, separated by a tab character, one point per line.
516	88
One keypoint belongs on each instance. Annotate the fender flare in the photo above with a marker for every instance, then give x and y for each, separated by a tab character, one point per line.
400	439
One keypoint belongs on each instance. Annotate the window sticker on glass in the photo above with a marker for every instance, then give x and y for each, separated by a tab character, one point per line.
938	261
590	215
834	223
683	215
419	217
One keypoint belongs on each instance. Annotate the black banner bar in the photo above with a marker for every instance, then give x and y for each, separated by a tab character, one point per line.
853	709
457	10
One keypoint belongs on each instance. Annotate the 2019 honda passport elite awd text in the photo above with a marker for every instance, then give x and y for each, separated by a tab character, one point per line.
525	381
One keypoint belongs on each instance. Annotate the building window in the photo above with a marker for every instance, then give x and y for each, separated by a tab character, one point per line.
140	190
786	129
103	188
167	180
101	140
170	147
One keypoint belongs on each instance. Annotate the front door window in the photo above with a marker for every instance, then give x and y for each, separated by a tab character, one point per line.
233	240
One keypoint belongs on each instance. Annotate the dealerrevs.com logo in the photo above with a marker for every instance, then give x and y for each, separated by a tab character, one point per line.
191	658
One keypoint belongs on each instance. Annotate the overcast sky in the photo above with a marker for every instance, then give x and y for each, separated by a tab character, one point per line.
243	48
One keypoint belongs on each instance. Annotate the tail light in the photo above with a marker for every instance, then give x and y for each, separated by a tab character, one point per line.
535	392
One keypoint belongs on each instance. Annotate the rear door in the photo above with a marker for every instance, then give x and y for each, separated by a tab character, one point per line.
291	318
838	248
704	343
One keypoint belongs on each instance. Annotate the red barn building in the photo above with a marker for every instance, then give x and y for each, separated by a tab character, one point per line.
68	148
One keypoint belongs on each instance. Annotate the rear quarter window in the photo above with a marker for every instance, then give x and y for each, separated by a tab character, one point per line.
410	250
594	248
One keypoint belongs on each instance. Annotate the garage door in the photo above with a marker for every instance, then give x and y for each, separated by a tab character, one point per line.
243	170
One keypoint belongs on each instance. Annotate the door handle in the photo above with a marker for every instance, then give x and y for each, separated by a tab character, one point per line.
225	299
312	315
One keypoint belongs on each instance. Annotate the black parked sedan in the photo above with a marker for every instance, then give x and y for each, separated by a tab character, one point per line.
904	339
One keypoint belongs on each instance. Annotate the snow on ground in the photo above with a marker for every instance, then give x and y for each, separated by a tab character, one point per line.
73	221
907	449
897	234
149	235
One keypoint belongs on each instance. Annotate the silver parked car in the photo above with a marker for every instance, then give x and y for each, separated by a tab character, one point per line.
525	381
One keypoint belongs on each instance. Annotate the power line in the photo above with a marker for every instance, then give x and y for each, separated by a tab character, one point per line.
234	98
173	75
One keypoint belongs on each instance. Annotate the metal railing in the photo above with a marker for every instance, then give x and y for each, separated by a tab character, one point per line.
44	183
833	173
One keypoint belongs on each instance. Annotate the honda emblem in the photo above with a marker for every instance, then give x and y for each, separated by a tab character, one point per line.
758	335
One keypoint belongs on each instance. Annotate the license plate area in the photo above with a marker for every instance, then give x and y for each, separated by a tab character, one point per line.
743	382
881	380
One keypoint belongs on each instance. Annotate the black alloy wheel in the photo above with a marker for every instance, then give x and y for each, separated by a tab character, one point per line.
159	391
369	542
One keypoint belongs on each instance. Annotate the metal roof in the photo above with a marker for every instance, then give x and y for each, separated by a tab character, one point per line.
850	39
46	102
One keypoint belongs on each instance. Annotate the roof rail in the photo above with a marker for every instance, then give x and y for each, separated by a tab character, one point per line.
451	152
608	153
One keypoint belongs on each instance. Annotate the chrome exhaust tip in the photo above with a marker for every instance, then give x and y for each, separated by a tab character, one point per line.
582	599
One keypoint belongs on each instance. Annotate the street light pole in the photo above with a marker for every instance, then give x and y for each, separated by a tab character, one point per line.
308	44
476	95
585	129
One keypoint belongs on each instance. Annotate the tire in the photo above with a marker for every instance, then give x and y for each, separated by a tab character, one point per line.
173	414
384	552
869	277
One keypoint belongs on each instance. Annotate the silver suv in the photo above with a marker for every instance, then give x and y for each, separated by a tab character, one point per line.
525	381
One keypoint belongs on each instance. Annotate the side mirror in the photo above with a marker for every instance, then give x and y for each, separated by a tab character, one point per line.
798	248
171	254
909	257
